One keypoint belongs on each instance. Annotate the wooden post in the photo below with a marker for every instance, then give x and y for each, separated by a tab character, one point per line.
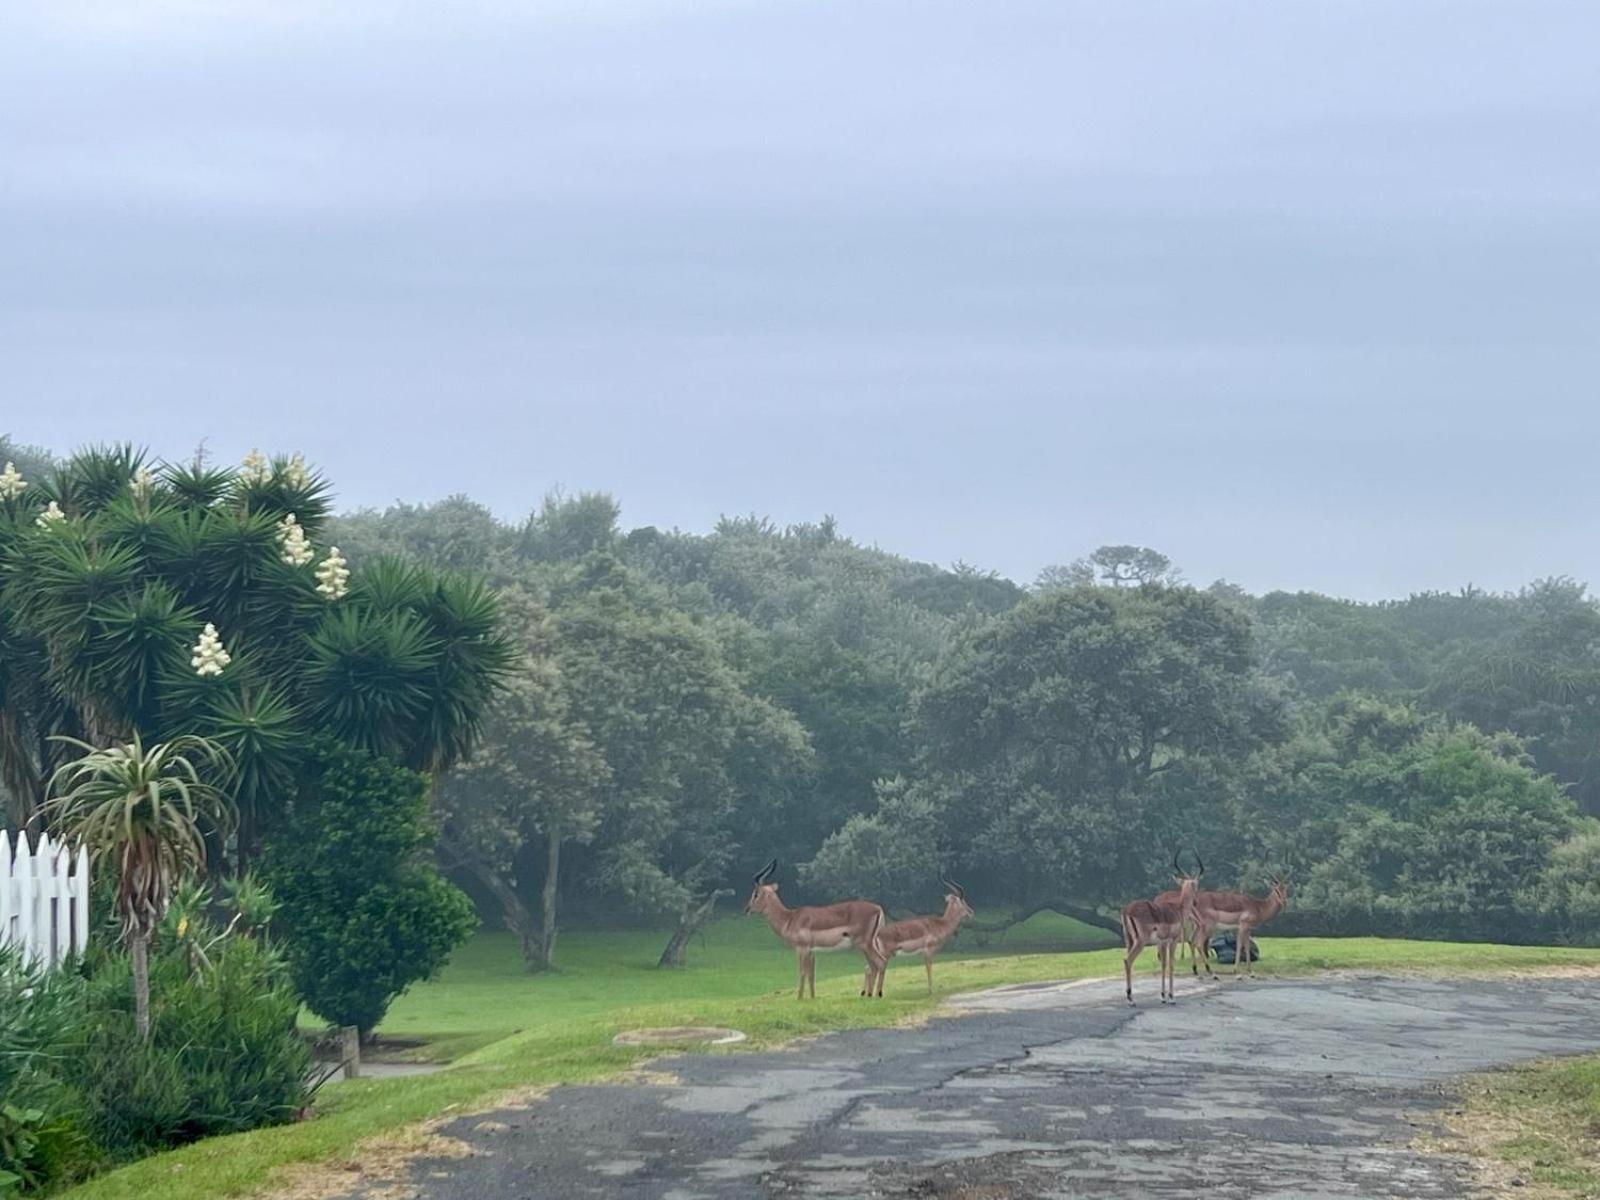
350	1051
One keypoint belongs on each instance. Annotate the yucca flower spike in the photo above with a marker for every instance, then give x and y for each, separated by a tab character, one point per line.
333	575
209	656
255	468
12	484
297	551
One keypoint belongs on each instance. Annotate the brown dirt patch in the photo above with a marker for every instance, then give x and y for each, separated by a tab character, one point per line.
380	1166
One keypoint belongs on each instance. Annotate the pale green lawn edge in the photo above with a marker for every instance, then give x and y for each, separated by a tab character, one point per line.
579	1048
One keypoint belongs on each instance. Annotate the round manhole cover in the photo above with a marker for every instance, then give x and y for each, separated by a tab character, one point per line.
679	1035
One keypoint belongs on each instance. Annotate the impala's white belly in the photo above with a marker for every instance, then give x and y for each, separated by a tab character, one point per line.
829	939
920	946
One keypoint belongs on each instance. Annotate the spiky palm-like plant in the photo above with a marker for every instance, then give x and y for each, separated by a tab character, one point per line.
145	811
99	613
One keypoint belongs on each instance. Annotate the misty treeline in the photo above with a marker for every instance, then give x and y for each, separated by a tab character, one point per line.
688	706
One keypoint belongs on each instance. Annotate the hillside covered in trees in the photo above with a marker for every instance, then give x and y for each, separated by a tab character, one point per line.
683	706
692	704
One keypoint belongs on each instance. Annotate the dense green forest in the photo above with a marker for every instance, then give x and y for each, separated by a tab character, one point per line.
692	704
684	706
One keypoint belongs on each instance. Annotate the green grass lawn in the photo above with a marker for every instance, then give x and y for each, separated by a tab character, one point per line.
512	1030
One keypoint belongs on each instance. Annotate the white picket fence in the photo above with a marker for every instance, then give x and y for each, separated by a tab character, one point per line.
44	898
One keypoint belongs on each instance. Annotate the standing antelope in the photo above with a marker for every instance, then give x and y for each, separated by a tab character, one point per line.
923	935
855	923
1241	910
1175	896
1160	922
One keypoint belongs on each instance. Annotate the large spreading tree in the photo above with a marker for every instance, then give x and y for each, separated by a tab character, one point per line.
1067	748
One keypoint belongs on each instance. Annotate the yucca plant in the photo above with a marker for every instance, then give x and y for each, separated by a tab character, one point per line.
144	811
101	613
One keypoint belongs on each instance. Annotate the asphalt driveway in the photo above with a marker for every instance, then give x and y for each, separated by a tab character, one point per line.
1304	1088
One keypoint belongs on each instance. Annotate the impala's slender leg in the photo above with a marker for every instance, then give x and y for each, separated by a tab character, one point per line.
1244	950
800	957
1128	960
927	962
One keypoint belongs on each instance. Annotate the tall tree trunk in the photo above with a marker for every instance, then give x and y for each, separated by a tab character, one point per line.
515	913
550	896
22	778
139	952
695	915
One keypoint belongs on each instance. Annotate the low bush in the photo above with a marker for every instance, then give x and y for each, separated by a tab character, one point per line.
42	1121
79	1088
223	1053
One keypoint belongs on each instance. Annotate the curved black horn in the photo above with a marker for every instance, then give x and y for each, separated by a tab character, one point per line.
1200	863
1175	865
953	886
766	871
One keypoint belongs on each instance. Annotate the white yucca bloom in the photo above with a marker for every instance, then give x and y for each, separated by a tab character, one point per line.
255	468
297	473
142	484
333	575
51	514
12	485
209	657
297	551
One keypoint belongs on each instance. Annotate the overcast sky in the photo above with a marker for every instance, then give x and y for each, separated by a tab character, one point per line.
1305	295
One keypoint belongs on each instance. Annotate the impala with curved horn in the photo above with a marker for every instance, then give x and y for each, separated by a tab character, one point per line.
923	935
1236	910
1172	897
808	929
1160	923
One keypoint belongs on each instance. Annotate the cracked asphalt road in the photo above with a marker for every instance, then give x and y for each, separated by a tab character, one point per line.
1302	1088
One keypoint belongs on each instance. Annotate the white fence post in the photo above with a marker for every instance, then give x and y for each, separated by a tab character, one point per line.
44	898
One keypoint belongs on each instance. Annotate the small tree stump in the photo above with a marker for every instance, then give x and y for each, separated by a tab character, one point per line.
350	1051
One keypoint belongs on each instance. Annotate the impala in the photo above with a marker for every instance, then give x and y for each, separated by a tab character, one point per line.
1174	896
1161	923
1240	910
923	935
806	930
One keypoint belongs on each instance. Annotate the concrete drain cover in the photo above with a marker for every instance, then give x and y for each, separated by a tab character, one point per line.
679	1035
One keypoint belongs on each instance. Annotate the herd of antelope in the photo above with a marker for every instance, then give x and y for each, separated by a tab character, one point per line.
1184	915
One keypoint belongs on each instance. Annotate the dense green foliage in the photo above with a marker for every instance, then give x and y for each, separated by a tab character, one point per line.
80	1087
1397	821
223	1054
42	1138
112	568
365	911
1059	743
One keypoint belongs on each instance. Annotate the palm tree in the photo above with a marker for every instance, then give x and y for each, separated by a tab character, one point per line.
146	811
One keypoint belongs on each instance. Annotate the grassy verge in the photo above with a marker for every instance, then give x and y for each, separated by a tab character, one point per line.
521	1031
1536	1128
